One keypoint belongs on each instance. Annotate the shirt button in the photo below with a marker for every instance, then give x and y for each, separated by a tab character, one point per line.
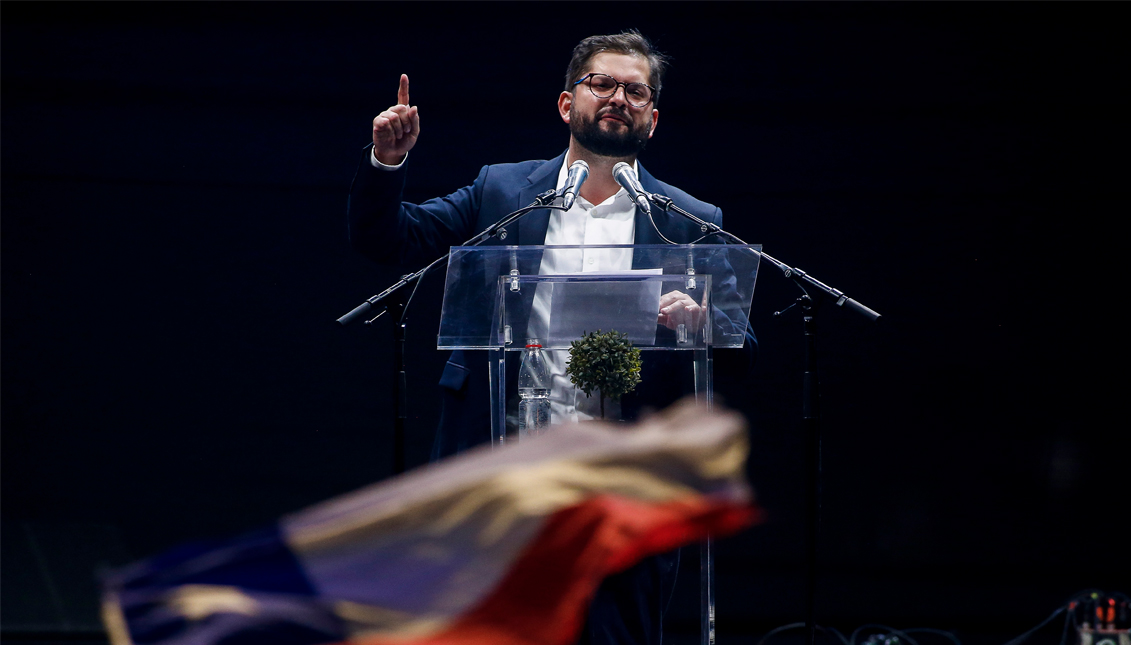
590	260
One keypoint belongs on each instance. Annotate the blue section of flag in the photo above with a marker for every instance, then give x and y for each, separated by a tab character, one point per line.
276	621
258	564
259	560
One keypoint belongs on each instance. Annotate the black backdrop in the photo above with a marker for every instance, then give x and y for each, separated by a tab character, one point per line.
174	257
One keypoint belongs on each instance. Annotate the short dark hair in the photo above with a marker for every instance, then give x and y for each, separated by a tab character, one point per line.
630	42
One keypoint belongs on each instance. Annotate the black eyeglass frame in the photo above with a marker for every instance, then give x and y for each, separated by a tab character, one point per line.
588	77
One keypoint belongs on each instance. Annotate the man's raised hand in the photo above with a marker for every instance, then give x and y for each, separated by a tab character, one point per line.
396	129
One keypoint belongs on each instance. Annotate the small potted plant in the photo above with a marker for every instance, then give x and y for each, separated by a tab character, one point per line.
604	361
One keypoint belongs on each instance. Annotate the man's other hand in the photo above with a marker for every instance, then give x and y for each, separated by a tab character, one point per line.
395	130
678	308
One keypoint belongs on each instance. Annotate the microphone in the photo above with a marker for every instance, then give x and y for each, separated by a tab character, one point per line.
578	173
626	177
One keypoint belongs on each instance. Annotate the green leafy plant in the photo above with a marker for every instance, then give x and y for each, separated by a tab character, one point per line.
604	361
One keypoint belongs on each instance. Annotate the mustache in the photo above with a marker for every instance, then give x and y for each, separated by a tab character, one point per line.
612	111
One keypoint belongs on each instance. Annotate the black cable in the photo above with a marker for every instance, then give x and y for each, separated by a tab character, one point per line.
778	630
1070	618
672	594
1044	622
904	634
881	628
657	229
701	238
940	632
404	312
784	628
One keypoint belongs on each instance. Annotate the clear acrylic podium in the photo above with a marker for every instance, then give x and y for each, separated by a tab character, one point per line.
495	298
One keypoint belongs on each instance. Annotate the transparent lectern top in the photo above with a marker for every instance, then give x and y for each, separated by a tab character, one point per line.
496	297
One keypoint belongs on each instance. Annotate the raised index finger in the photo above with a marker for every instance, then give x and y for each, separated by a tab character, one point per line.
402	92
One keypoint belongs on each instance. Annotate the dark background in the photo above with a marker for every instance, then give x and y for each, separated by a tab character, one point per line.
174	257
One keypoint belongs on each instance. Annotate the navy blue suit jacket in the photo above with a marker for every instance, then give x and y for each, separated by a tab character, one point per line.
423	232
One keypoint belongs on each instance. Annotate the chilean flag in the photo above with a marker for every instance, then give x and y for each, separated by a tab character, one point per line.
503	546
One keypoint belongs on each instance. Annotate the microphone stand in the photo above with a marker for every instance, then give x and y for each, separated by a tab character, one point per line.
810	395
399	305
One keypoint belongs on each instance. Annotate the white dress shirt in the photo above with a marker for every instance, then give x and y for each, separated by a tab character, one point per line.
613	221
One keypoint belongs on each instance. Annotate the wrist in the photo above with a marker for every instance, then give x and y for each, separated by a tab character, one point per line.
385	162
391	160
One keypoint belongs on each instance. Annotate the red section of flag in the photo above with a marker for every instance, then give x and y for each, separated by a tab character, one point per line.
544	598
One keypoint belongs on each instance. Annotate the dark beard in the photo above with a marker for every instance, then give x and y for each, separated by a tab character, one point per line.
589	134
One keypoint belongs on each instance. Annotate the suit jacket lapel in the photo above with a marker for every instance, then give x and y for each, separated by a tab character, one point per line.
532	227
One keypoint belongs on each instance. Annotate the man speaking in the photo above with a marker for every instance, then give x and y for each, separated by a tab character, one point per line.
609	101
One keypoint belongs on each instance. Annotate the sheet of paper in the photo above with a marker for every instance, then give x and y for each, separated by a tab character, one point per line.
628	306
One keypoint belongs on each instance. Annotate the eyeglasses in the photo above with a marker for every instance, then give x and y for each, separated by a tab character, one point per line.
604	86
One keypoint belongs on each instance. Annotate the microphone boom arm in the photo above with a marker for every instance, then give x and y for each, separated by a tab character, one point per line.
797	275
495	230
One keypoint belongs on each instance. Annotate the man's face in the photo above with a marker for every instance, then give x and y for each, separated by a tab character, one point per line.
610	127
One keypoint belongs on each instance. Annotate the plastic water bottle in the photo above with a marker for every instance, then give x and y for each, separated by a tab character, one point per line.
533	392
